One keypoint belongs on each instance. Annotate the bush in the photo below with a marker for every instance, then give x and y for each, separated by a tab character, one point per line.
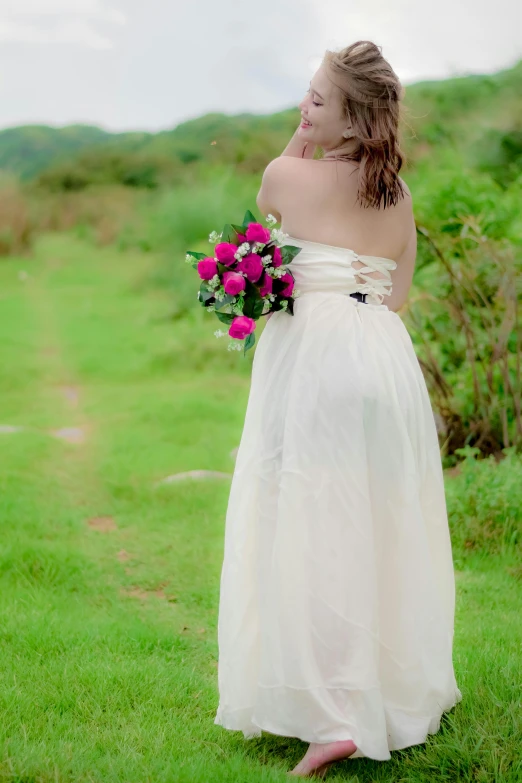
499	153
17	222
99	214
484	502
111	167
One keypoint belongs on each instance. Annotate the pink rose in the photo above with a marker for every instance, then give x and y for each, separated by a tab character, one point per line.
207	268
278	258
257	233
266	286
233	283
252	266
225	252
287	278
241	238
241	326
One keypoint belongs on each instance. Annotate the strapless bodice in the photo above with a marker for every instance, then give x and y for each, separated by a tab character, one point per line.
330	268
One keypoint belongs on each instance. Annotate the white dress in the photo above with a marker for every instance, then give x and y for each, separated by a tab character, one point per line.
337	590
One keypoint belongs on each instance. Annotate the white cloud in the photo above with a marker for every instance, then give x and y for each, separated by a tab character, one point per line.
430	40
57	21
176	60
91	8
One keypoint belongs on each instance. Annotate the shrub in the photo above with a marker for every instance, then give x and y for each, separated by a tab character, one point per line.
17	224
484	502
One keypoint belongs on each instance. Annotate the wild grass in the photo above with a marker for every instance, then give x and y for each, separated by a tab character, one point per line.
109	580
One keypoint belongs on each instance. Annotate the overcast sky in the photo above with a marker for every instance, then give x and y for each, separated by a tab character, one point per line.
150	64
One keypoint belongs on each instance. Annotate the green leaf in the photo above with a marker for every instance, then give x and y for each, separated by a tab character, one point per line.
258	308
253	304
227	299
225	318
249	218
289	252
229	234
205	293
198	256
249	342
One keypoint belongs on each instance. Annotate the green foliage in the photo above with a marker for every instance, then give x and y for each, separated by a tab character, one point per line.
464	316
29	149
485	502
108	167
499	153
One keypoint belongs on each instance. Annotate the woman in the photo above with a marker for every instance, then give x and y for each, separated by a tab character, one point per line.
337	590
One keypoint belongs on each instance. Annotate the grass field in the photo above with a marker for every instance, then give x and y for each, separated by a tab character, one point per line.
109	580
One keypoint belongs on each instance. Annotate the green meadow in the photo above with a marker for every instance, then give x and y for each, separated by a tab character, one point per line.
109	579
120	415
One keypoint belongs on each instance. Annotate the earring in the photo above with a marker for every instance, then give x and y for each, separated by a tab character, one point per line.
348	135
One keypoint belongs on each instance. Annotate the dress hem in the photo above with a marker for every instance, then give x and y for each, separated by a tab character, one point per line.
252	728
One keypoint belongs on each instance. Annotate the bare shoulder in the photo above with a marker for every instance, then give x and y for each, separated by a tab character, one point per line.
284	167
289	168
279	173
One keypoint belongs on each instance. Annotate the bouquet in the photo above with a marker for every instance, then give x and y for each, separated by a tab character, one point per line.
246	277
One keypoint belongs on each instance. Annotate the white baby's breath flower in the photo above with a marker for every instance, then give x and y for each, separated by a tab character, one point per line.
220	333
279	235
271	220
213	237
284	304
242	250
210	308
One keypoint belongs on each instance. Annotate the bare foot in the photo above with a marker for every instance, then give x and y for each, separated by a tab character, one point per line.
320	756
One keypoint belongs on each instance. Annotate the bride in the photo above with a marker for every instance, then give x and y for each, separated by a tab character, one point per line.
337	592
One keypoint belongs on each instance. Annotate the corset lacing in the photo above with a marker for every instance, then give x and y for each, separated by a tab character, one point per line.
376	287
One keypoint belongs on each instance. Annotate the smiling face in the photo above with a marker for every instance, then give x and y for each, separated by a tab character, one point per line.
321	106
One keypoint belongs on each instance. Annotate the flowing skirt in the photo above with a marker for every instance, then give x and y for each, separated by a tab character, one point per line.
337	588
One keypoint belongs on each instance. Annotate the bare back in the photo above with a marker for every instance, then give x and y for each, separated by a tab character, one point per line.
317	201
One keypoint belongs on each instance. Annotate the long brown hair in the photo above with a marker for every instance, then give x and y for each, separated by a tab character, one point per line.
370	95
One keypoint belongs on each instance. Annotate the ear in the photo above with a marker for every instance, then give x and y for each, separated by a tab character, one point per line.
268	198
